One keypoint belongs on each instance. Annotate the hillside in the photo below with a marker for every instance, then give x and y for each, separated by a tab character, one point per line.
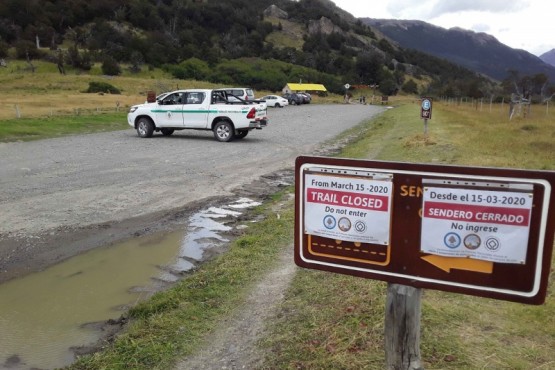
260	43
549	57
479	52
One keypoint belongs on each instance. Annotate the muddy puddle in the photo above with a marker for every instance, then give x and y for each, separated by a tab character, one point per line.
46	314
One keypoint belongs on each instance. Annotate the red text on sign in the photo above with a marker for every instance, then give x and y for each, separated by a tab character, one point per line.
472	213
347	199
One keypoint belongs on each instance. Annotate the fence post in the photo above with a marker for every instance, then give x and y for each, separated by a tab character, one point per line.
17	112
402	327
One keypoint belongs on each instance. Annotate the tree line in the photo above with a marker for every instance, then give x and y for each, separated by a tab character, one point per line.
201	39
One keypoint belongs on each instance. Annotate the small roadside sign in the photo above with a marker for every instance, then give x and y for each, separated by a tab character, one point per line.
426	108
487	232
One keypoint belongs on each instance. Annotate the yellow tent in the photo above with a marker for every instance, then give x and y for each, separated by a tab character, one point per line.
290	87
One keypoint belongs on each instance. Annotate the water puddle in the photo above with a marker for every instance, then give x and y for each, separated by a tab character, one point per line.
44	314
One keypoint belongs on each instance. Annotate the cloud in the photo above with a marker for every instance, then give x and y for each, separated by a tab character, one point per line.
481	27
411	9
491	6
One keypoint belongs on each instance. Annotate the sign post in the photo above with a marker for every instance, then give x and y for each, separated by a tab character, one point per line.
402	327
347	87
426	112
485	232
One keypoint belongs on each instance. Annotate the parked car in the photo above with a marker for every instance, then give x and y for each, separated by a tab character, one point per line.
293	98
306	97
239	93
275	101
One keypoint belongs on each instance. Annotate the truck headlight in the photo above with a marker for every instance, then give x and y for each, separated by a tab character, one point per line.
133	109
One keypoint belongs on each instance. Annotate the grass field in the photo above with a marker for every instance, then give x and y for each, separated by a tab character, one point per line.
331	321
327	321
47	104
339	324
47	93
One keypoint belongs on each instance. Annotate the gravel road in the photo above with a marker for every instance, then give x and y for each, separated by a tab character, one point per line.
62	196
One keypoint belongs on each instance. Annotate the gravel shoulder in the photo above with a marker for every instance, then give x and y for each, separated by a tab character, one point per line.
60	197
234	344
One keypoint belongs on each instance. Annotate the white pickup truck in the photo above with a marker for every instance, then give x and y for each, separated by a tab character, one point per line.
229	117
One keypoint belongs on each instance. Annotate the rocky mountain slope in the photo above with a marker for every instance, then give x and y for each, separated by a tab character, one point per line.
477	51
549	57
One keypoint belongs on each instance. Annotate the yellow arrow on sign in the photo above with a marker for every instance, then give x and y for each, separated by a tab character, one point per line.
468	264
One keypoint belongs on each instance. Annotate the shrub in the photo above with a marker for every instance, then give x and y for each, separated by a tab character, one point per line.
110	67
192	68
410	87
24	49
102	87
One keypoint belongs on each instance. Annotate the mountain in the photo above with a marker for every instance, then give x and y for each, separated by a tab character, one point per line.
263	44
477	51
549	57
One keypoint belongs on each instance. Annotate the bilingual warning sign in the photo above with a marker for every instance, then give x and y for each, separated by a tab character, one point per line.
348	208
484	225
486	232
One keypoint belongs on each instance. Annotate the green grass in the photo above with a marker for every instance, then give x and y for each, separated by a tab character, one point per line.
26	129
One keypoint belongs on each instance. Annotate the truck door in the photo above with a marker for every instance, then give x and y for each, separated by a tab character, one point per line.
169	112
195	110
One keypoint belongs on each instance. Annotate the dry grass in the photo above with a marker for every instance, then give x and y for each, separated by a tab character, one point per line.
495	141
290	36
330	321
48	93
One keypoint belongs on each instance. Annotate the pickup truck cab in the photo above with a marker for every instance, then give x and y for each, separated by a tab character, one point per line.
228	116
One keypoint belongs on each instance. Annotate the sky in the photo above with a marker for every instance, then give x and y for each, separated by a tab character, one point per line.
525	24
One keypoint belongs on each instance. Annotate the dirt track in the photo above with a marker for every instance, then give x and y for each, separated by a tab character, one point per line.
60	197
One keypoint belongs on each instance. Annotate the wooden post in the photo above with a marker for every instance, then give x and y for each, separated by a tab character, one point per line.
402	328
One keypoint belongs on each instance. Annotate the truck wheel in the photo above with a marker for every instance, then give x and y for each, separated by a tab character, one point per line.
167	131
223	131
145	127
241	134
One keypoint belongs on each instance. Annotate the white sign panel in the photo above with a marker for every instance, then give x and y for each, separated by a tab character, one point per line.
354	209
480	224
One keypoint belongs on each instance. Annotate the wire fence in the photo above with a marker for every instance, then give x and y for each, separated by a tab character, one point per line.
509	108
18	111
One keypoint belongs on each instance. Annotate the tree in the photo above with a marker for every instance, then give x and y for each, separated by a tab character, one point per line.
137	61
368	67
410	87
4	47
110	66
77	60
60	62
27	49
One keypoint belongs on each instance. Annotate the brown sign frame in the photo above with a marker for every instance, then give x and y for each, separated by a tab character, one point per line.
402	261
